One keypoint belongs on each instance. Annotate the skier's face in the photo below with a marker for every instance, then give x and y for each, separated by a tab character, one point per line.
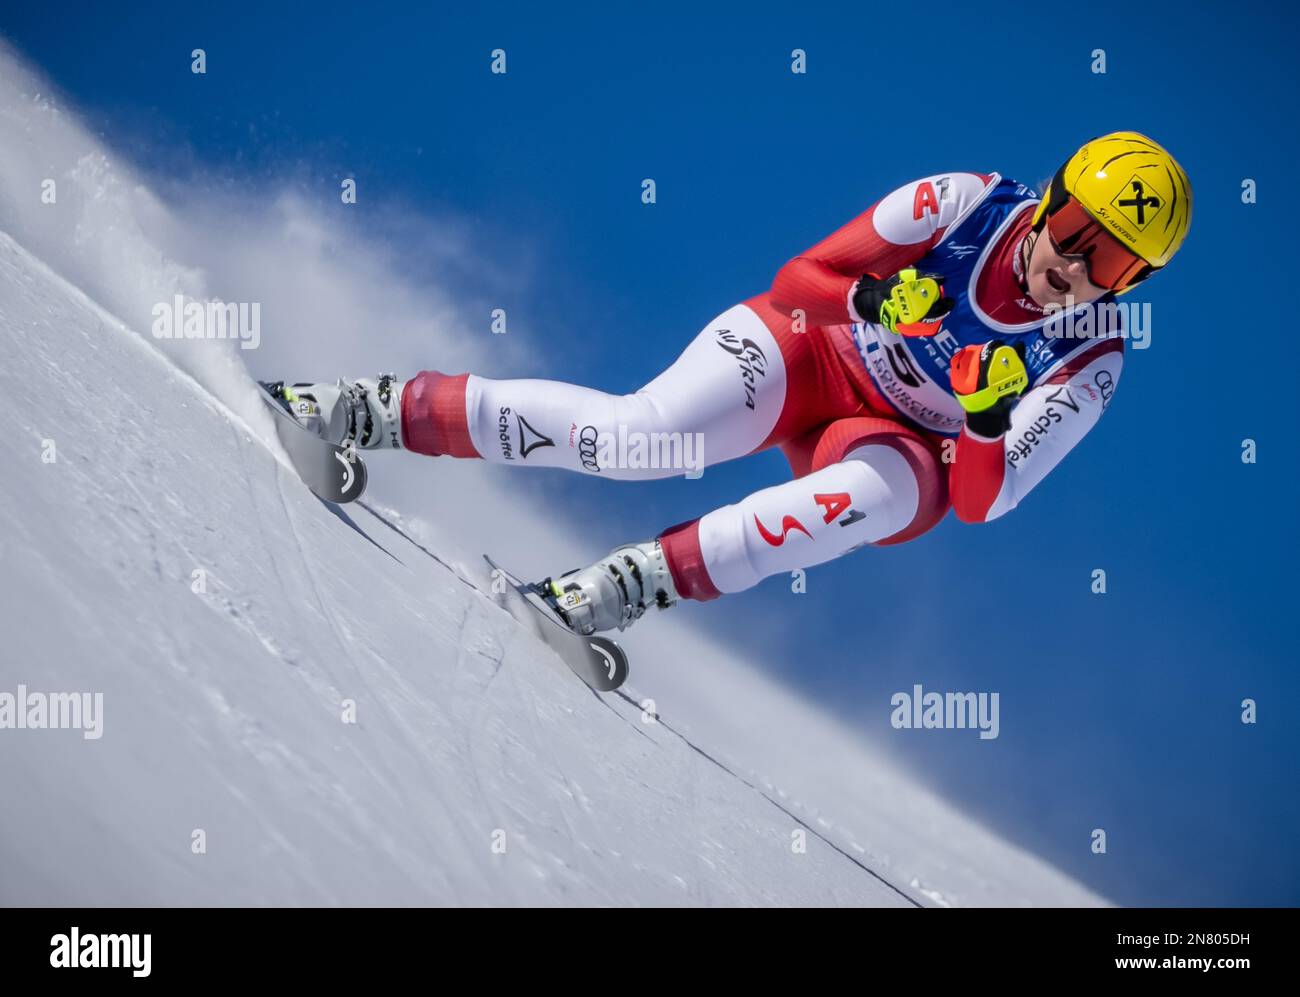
1052	278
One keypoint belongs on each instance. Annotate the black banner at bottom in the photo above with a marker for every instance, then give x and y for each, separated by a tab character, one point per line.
337	946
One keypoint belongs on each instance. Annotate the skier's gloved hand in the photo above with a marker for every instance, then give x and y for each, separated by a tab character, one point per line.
987	381
908	303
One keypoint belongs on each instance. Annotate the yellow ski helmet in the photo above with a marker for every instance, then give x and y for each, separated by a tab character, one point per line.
1133	188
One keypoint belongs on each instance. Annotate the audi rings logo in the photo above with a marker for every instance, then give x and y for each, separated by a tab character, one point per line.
587	448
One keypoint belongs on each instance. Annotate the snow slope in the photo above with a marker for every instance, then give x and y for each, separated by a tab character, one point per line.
222	708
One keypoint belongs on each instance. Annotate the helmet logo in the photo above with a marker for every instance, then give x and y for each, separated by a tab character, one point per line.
1142	206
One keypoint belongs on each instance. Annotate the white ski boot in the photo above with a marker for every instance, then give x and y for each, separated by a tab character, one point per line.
365	413
615	591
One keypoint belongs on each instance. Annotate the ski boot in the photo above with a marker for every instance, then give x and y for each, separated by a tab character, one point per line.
615	591
365	414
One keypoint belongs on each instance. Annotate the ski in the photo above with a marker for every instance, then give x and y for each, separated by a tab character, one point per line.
334	473
597	660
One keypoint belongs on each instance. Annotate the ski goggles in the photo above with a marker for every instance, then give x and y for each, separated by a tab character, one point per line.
1110	264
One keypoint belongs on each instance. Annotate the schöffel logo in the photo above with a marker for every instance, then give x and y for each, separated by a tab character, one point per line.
529	438
503	433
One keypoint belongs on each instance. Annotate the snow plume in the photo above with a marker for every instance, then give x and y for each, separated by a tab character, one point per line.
66	198
329	298
338	290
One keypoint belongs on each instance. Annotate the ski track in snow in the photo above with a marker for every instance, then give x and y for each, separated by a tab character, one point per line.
222	708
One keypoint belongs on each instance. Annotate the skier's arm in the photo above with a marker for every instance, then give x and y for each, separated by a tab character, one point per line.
893	233
990	476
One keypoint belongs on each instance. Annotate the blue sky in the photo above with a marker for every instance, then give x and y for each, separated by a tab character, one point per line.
1118	711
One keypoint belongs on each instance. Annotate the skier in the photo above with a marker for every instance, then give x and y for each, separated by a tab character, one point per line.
937	315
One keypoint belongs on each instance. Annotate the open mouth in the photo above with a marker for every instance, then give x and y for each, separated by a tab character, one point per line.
1057	280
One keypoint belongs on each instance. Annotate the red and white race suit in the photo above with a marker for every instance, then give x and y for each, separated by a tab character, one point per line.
861	414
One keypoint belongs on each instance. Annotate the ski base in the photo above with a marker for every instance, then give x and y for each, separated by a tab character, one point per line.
598	661
334	473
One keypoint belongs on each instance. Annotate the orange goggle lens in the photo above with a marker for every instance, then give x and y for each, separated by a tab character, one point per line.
1110	263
